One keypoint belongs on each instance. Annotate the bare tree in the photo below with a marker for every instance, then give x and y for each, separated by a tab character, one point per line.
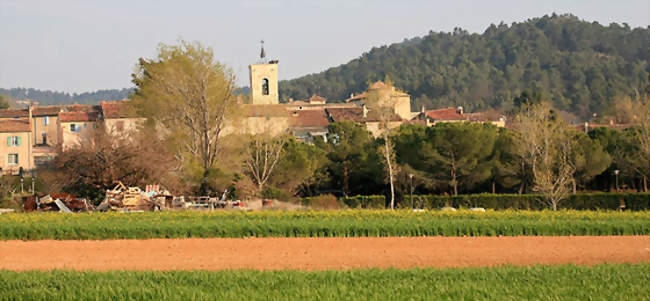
189	97
261	157
381	105
545	144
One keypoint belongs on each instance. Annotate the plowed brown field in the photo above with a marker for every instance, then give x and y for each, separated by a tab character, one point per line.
320	253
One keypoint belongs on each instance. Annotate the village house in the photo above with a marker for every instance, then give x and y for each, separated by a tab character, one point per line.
16	146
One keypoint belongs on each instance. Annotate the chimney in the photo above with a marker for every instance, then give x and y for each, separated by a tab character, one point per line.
422	109
365	110
459	110
586	127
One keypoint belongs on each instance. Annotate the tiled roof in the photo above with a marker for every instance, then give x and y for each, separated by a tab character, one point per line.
309	118
444	114
78	116
13	113
14	126
356	115
250	110
115	109
46	110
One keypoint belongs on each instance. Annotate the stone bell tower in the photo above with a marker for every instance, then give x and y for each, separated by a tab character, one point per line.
264	80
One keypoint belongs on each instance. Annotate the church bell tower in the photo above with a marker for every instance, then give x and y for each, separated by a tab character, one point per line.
264	80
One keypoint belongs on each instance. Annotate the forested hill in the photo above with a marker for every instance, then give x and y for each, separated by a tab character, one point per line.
578	64
46	97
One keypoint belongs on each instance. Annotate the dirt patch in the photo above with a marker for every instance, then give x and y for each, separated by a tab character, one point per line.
320	253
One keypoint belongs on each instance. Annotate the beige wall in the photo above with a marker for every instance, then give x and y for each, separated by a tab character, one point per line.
118	126
25	159
270	125
39	127
69	138
373	127
403	106
258	72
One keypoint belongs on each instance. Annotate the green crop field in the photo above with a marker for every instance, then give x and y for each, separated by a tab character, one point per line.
347	223
566	282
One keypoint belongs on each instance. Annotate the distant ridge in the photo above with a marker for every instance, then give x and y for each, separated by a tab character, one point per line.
580	66
47	97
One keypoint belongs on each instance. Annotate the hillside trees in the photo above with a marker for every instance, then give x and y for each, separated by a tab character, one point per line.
189	97
580	64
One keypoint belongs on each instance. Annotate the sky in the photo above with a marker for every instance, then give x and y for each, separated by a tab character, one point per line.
79	46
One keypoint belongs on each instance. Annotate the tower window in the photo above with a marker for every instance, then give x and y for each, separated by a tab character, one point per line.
265	86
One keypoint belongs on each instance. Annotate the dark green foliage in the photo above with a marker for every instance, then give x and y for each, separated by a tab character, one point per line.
564	282
354	166
580	65
365	202
580	201
340	223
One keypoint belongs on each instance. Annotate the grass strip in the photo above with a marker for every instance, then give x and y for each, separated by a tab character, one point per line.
565	282
347	223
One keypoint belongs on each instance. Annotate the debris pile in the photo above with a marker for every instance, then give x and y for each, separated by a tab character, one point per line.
126	198
62	202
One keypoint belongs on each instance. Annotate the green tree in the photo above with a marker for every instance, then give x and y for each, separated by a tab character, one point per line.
300	167
589	159
189	97
353	163
459	153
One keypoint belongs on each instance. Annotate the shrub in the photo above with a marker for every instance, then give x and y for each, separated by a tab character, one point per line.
324	201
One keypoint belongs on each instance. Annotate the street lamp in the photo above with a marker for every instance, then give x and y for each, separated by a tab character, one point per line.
412	204
616	172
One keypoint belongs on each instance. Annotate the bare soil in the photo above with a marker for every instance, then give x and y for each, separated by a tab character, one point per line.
320	253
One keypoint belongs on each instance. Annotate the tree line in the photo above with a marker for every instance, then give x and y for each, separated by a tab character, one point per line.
196	141
581	65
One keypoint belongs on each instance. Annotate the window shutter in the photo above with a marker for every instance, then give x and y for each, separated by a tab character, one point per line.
18	140
8	141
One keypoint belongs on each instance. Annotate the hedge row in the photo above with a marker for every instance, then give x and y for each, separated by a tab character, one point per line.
581	201
365	201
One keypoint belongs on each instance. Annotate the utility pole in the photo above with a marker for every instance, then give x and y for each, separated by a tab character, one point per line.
616	172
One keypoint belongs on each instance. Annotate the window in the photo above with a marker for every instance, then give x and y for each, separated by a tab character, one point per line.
265	86
75	127
13	141
44	138
46	120
119	126
12	159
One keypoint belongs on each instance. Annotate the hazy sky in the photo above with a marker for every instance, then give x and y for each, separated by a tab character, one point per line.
78	46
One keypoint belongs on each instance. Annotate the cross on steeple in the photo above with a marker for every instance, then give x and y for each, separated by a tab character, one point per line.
262	54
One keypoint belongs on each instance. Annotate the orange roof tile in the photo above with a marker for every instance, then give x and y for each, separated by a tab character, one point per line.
309	118
115	109
356	114
13	113
78	116
14	126
46	110
444	114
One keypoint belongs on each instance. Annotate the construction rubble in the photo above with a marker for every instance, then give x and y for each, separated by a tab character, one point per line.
124	198
63	202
